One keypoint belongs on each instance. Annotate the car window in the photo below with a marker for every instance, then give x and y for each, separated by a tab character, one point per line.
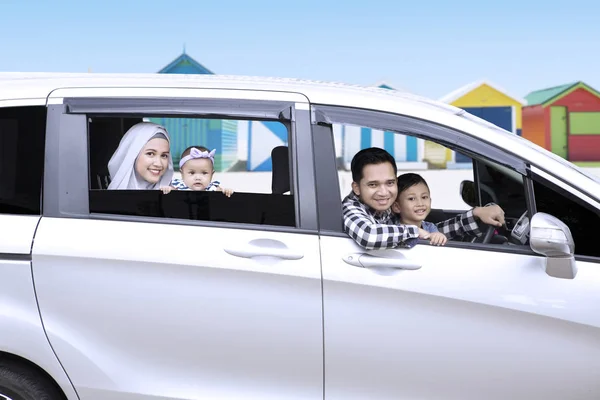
442	168
461	172
524	142
446	172
22	133
251	158
581	218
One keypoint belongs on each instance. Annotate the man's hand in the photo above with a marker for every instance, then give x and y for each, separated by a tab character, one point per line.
491	215
438	239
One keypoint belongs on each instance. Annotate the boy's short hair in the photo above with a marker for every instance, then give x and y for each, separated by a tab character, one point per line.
372	155
409	179
187	151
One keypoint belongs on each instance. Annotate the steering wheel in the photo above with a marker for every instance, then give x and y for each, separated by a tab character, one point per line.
487	237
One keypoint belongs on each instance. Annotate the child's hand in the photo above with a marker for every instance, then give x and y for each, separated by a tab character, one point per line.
226	192
423	234
167	189
438	239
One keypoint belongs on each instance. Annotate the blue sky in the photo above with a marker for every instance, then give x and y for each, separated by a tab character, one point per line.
427	47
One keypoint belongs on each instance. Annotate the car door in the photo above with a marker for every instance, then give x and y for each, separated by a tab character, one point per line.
140	307
463	321
24	348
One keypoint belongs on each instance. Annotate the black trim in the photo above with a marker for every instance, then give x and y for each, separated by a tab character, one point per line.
500	248
15	257
476	182
213	108
243	208
329	205
529	195
591	259
303	172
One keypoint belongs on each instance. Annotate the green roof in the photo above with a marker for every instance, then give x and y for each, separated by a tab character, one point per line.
542	96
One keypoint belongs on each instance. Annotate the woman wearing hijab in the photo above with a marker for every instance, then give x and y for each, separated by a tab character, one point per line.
142	160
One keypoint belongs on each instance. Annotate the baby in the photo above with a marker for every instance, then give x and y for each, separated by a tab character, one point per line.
413	205
197	170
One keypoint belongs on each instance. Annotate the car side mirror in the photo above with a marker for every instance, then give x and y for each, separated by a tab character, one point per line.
551	237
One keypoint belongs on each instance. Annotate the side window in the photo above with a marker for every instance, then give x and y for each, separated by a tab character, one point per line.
582	220
22	133
457	182
251	158
434	162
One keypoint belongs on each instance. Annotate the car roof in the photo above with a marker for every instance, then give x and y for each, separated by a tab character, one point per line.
24	86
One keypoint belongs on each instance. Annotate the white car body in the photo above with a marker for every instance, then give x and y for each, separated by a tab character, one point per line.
108	310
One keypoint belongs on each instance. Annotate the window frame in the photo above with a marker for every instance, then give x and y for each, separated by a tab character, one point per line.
67	183
328	193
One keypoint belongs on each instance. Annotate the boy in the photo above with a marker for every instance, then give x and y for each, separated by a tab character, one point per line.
413	205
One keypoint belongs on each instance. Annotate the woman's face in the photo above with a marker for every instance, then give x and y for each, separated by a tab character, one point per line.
153	160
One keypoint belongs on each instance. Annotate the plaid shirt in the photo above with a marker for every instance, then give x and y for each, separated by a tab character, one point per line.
383	230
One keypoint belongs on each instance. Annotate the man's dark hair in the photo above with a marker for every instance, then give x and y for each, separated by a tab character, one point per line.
372	155
407	180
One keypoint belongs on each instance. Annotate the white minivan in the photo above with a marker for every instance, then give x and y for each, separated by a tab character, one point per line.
137	294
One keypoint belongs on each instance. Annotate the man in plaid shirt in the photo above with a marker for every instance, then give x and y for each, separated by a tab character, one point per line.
369	220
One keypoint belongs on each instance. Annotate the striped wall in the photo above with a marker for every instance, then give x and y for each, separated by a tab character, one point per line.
351	139
252	141
217	134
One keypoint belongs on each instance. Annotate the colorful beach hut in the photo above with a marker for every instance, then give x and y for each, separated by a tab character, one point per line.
565	120
489	102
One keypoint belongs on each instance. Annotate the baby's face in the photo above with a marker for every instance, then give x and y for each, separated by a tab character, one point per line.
197	173
413	204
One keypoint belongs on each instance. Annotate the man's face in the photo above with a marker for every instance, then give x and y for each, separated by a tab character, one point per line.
377	188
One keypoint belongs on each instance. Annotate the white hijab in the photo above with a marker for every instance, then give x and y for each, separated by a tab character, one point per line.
121	166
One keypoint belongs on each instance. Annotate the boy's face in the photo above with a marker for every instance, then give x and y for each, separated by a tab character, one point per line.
377	188
413	204
197	173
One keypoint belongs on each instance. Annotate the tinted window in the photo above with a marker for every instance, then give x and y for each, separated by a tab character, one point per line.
22	132
251	158
582	220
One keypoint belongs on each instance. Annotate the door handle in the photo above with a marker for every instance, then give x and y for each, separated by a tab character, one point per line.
368	261
264	248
